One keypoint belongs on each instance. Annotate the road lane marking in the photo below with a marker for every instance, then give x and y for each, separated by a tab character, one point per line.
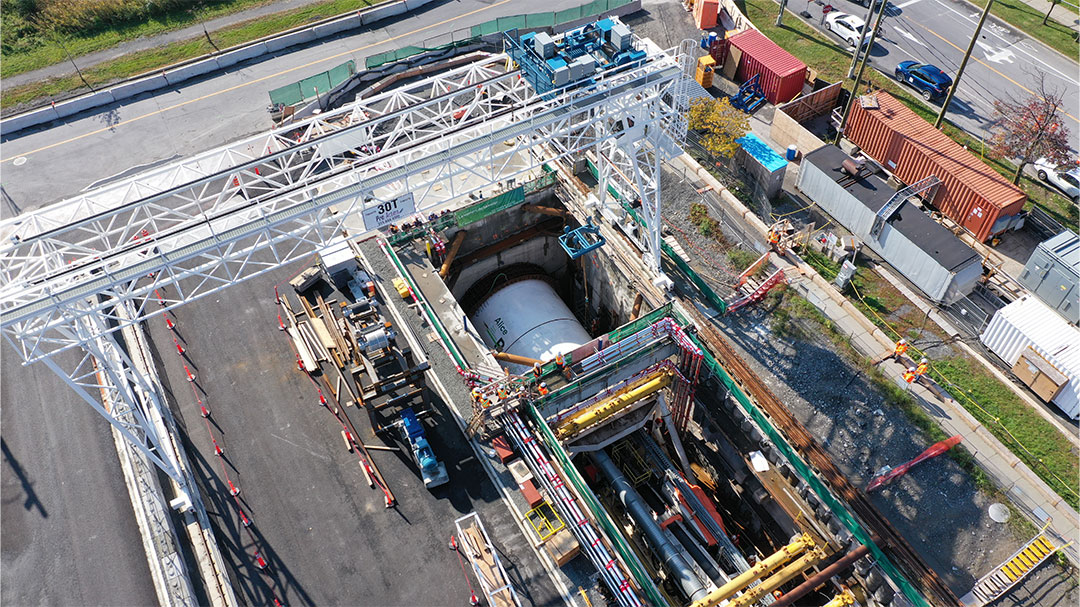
991	68
1020	37
908	35
906	4
994	55
257	80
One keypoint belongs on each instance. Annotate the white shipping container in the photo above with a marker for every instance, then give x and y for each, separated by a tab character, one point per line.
1029	322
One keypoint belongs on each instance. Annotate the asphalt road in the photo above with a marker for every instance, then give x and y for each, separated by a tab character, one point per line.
1004	65
327	537
61	159
69	534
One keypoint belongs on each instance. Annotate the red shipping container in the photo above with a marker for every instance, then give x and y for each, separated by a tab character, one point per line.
971	193
705	13
781	75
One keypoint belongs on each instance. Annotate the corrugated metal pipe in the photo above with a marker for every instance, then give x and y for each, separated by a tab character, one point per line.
642	514
820	578
778	579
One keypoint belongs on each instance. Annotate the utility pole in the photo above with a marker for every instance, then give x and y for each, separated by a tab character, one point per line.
780	15
855	56
862	67
963	64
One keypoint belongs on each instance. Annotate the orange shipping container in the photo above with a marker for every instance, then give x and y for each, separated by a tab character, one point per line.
705	12
971	193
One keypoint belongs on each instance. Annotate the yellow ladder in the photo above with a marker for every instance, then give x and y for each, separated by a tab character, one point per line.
1012	571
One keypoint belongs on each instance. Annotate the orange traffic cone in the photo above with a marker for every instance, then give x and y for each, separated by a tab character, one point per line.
217	449
453	542
179	349
233	490
472	599
280	323
300	363
190	375
259	562
203	410
322	399
169	323
244	520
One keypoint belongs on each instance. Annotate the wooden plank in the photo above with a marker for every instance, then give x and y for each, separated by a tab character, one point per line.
480	553
323	334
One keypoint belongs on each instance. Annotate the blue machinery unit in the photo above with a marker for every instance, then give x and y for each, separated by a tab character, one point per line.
582	240
750	95
552	62
432	470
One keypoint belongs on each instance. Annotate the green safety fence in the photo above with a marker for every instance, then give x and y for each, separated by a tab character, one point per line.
550	19
479	210
297	92
476	212
599	513
807	474
375	61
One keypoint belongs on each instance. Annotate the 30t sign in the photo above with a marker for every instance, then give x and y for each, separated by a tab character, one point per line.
383	214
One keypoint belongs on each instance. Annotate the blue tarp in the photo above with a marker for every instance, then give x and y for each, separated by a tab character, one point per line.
762	152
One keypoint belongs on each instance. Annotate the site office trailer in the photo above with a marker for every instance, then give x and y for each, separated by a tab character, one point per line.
971	193
781	75
922	250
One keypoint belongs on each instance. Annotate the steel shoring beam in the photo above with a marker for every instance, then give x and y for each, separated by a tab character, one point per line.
218	241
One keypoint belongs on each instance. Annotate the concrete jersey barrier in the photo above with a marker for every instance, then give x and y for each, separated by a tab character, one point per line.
193	68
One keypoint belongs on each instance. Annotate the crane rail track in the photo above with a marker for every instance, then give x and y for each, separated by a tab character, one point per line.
891	542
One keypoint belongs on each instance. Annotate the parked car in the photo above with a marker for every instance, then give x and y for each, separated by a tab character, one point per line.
850	28
1066	180
931	82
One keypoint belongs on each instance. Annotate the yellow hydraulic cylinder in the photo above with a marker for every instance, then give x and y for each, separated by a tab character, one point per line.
844	599
778	579
756	572
610	406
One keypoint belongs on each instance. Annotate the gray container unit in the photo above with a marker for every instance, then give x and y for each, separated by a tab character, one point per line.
1052	273
620	37
930	256
582	67
544	45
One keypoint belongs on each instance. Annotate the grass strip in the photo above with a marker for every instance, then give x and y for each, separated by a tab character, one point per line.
143	61
831	60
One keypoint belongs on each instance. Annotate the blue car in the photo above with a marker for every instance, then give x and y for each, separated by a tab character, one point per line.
931	82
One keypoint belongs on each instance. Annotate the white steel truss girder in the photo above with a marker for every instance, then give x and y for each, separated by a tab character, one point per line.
207	235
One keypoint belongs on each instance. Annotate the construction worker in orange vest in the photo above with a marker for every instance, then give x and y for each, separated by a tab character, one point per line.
900	349
923	368
543	389
560	362
537	370
476	394
910	375
774	239
502	393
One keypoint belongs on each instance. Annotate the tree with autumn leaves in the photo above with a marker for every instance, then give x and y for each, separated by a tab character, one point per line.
720	124
1030	129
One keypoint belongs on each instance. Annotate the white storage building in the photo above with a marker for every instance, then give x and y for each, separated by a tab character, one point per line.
1028	322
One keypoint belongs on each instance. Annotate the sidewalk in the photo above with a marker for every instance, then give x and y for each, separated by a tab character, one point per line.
58	70
1025	489
1061	14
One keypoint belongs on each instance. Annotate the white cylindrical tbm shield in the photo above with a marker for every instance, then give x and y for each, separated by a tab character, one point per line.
527	318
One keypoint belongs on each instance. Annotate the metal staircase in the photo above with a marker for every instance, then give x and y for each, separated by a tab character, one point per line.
898	199
996	583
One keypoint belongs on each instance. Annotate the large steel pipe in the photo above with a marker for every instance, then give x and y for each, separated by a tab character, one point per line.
669	555
820	578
